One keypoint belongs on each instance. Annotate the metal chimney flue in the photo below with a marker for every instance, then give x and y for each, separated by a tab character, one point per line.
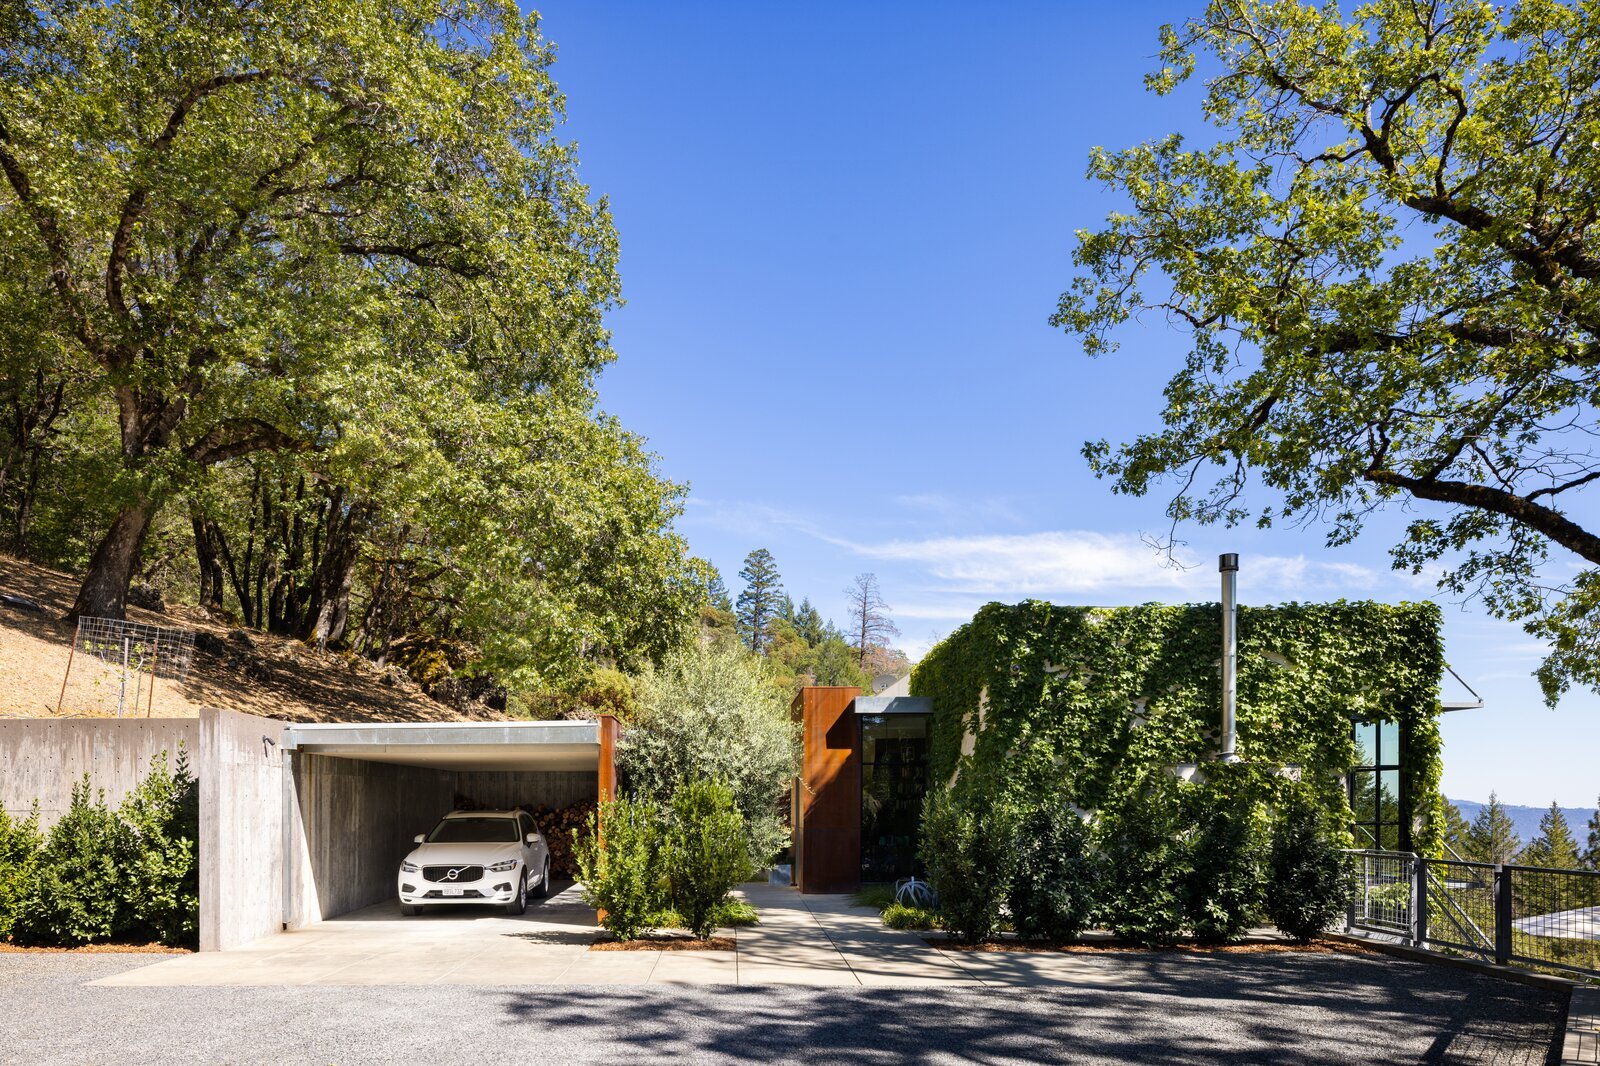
1228	565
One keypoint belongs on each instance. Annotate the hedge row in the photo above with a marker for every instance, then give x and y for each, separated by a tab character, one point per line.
1207	861
100	874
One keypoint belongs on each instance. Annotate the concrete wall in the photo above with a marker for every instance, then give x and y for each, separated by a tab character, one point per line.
357	820
243	845
42	758
532	788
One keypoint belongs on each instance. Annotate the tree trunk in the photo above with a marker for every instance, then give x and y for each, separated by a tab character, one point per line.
104	591
205	554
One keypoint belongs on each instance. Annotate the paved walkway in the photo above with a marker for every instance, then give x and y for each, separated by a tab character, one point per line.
801	940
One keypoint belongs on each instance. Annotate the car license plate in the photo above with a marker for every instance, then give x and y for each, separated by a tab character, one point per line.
455	891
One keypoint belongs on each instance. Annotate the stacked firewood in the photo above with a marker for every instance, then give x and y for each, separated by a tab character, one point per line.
558	827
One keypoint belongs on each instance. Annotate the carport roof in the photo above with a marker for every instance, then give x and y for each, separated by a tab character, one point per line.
455	745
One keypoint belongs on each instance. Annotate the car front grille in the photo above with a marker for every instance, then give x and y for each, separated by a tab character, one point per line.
470	893
461	874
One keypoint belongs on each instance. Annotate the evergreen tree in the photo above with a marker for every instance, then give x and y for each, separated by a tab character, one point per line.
1457	833
1554	846
808	623
1492	837
718	592
1591	854
761	600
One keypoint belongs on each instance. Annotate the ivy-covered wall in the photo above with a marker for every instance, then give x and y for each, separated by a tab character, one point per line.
1093	700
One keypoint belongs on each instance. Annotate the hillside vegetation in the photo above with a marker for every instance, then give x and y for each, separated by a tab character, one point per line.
269	675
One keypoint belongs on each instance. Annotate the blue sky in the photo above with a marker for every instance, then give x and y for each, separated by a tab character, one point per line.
844	228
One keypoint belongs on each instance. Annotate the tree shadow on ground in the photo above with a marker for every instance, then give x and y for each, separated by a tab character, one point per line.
1144	1008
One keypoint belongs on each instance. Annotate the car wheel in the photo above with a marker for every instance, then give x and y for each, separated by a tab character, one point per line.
544	882
410	910
519	902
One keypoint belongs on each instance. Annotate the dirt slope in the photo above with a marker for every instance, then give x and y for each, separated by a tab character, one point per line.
267	676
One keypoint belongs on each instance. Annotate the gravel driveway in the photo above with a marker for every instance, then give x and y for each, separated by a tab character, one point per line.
1281	1008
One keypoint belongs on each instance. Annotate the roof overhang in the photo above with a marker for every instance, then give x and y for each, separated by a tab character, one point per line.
893	705
553	746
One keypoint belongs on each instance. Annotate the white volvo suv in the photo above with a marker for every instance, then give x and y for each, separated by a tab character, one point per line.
476	857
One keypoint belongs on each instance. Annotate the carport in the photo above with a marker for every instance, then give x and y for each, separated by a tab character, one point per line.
301	823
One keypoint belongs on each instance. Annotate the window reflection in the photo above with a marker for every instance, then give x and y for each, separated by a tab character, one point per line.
894	779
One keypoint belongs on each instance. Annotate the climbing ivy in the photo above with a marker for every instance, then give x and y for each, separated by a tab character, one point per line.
1090	701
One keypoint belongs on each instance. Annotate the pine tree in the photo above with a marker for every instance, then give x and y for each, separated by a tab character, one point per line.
1492	837
718	593
761	599
1591	854
809	625
1457	833
1554	846
870	626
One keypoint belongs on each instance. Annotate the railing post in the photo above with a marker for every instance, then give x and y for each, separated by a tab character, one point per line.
1502	914
1355	886
1419	901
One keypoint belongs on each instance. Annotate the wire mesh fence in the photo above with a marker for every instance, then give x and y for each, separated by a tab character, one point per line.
114	666
1555	917
1380	900
1461	905
1502	913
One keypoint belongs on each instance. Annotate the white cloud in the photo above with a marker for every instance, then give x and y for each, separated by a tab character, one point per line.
1085	563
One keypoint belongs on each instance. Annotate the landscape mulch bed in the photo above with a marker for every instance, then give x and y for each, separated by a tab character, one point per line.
95	949
1316	947
665	942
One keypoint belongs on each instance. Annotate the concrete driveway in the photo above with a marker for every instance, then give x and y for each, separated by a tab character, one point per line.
801	940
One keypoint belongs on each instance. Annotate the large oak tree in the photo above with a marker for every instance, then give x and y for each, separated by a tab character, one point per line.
235	212
1388	266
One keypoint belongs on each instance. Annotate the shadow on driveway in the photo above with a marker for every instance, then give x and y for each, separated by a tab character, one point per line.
1167	1008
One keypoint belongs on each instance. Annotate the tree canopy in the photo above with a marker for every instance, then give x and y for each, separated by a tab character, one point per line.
1387	271
318	292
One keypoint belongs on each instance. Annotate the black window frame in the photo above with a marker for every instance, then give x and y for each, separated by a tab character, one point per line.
1370	833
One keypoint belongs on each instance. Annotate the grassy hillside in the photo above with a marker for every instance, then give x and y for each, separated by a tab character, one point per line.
250	672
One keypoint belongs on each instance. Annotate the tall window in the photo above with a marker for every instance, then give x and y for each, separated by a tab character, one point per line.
894	778
1376	796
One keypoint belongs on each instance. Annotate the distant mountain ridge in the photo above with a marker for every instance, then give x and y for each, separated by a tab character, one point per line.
1526	819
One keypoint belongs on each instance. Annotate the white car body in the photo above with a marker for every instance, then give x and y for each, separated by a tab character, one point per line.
476	857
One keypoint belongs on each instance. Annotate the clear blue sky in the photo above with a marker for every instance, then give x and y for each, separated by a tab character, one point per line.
843	229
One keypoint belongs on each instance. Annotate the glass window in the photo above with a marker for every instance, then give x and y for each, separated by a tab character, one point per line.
500	830
894	780
1377	801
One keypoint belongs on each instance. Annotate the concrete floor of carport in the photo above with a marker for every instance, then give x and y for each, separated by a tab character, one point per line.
801	940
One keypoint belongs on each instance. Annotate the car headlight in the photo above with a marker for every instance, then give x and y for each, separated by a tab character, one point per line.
409	867
504	865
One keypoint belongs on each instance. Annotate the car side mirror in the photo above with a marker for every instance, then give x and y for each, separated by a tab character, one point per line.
419	838
533	838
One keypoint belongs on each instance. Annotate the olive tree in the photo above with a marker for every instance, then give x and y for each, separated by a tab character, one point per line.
712	712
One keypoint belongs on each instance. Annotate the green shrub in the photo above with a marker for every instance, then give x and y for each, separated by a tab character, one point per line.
901	916
77	896
619	863
1226	875
1144	892
732	912
160	877
20	843
1308	886
1052	892
705	853
969	848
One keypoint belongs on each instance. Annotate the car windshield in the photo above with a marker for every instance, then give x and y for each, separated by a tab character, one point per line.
474	831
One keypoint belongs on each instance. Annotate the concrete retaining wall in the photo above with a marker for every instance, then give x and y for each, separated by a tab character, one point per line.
357	820
42	758
243	843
